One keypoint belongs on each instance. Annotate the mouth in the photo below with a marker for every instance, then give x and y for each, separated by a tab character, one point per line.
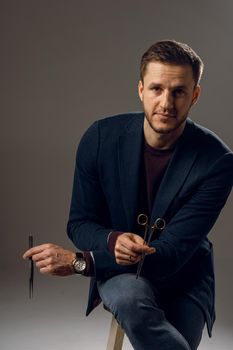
164	115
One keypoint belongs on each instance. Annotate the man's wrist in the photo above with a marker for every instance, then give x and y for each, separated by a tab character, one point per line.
90	269
112	238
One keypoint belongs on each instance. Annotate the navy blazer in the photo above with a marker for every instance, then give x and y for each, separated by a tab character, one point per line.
193	191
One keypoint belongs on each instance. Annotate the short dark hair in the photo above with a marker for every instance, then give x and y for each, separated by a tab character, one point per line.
172	52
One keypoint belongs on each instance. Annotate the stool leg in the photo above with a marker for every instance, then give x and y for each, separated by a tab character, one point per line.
115	337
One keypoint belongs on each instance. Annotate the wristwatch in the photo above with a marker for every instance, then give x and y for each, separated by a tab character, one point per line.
79	263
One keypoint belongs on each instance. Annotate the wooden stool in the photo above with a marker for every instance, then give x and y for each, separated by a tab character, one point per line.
116	336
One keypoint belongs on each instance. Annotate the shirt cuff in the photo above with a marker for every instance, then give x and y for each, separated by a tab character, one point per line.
90	269
112	240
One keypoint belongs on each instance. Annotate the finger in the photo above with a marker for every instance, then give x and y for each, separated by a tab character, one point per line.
121	249
38	249
28	254
126	244
136	249
133	243
44	263
52	255
38	257
123	261
144	249
127	261
127	258
141	245
133	249
151	251
46	270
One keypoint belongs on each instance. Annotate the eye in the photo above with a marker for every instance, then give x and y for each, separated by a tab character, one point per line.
179	92
156	89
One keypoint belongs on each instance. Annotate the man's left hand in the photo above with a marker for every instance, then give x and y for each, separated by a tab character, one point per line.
129	249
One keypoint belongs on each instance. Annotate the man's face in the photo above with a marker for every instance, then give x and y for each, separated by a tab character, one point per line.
167	93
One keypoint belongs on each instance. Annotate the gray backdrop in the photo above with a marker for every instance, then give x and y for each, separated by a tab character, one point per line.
63	65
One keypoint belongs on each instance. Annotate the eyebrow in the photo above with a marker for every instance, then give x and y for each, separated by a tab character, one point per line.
183	87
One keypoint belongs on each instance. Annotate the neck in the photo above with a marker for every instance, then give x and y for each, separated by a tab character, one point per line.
159	140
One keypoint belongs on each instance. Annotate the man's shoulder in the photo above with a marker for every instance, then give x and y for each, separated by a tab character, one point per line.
121	120
206	139
108	129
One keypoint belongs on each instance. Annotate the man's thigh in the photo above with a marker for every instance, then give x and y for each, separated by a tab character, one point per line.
186	316
126	293
133	302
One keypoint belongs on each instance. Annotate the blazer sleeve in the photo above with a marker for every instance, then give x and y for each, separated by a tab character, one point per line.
88	219
193	221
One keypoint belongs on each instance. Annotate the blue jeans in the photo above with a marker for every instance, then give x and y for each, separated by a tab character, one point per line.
152	320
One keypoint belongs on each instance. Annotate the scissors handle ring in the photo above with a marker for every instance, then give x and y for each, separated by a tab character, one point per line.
160	224
142	219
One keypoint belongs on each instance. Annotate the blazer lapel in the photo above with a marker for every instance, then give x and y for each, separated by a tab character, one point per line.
129	153
176	173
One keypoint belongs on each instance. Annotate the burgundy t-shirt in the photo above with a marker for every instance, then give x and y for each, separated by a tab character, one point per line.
155	163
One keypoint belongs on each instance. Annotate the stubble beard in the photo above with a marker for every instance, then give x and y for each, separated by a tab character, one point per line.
166	129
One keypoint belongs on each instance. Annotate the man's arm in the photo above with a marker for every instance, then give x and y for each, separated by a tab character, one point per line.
193	221
187	229
88	226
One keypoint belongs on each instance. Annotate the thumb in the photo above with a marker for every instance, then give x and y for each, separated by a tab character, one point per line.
151	250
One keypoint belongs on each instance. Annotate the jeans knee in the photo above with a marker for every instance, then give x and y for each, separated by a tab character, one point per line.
123	294
132	311
122	305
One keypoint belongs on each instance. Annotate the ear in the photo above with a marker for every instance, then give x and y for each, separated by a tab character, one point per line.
196	94
140	90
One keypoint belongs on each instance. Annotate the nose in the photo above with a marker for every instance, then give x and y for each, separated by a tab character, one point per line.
167	101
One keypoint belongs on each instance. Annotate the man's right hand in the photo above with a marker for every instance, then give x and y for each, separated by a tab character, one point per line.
129	249
52	259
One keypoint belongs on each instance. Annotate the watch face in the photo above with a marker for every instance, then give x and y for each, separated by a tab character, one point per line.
79	265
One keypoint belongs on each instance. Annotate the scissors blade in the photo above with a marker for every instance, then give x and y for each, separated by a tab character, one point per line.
143	255
143	220
140	266
152	231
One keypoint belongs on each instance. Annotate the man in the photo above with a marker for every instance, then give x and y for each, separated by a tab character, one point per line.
179	174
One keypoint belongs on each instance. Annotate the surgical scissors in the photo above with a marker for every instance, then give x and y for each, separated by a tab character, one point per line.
149	230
